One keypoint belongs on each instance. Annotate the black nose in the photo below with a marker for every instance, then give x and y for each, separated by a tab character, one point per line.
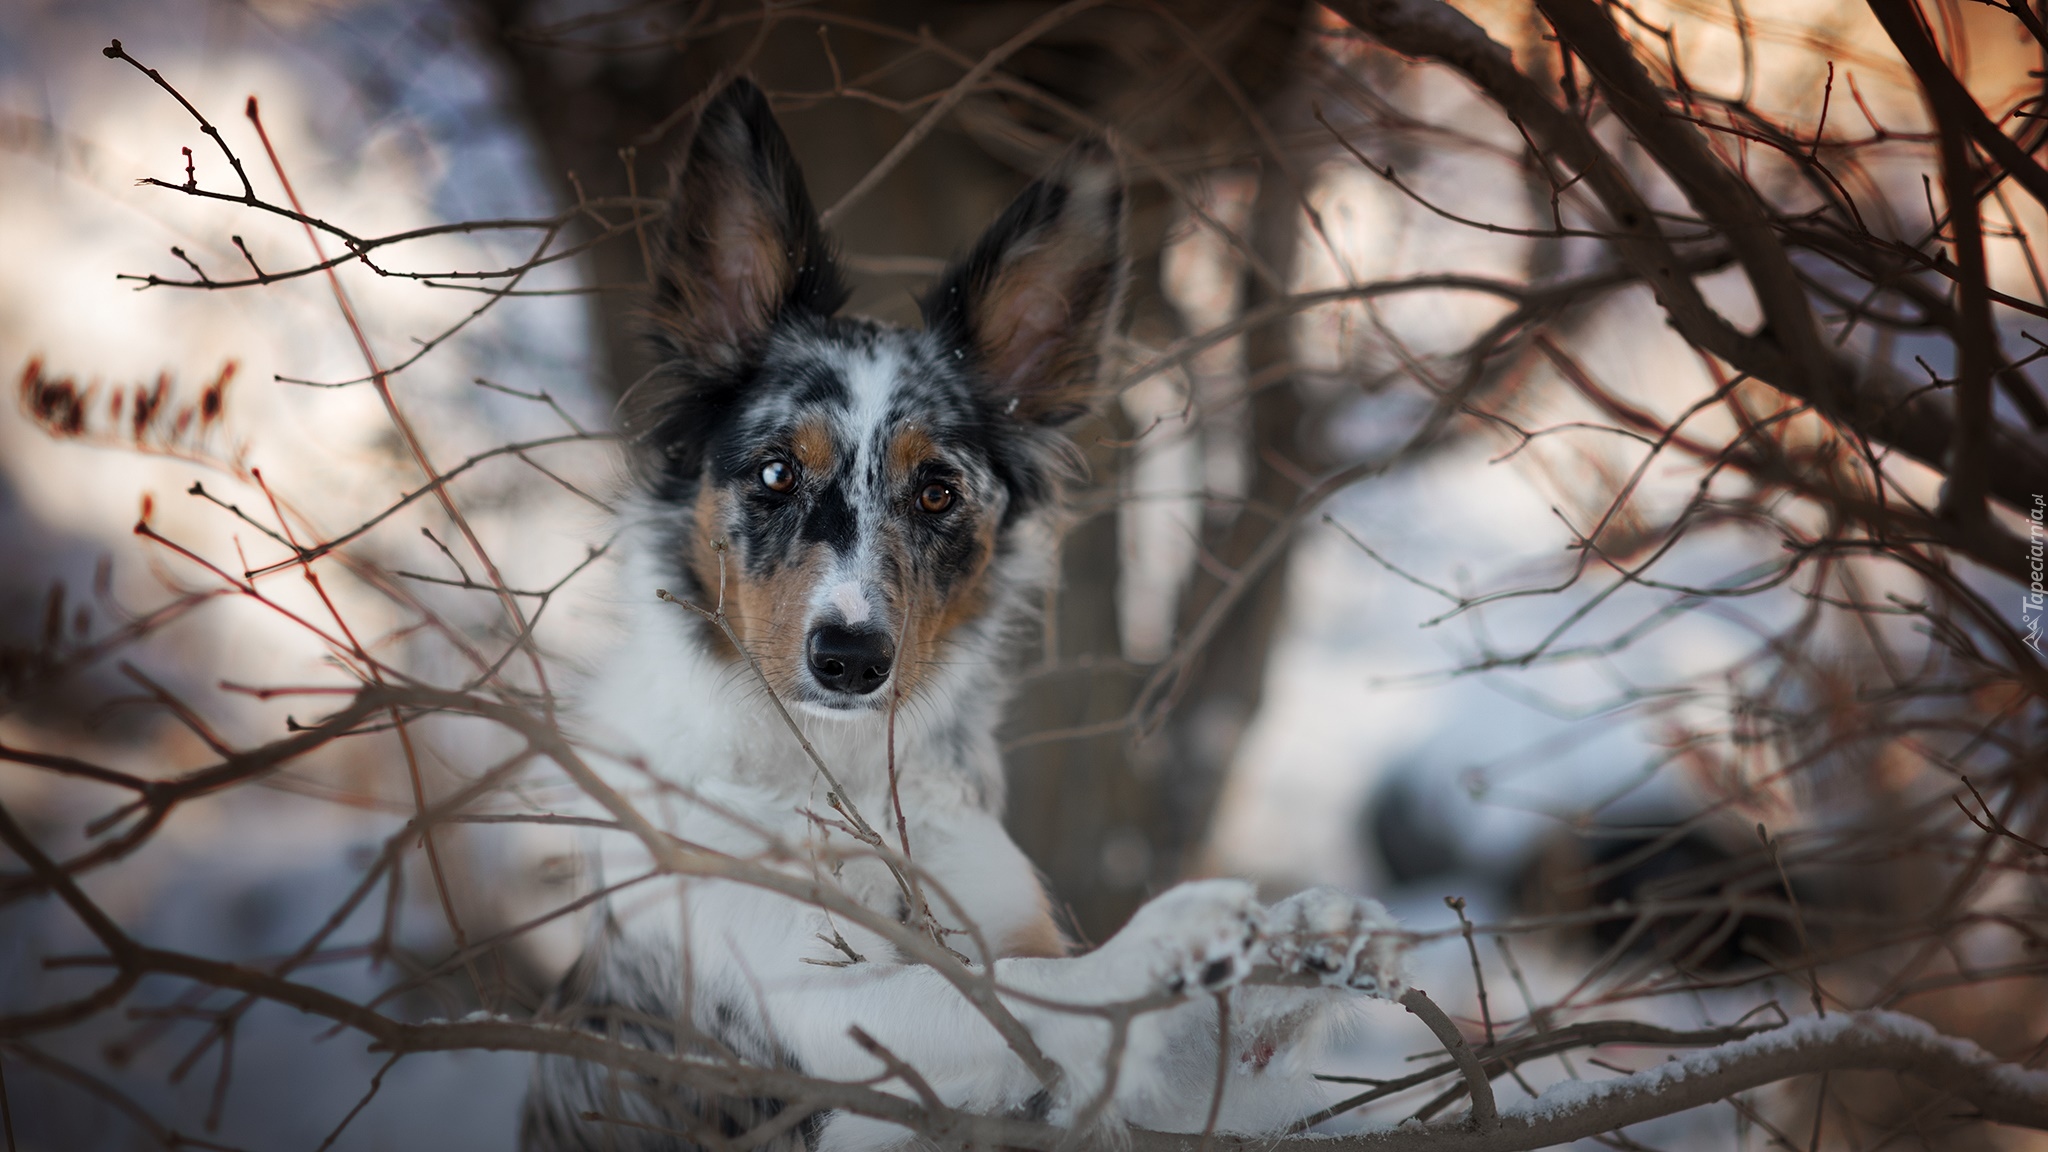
847	660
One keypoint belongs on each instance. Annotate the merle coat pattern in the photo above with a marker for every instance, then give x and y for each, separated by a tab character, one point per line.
873	508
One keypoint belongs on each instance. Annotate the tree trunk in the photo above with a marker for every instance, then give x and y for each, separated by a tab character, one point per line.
1226	681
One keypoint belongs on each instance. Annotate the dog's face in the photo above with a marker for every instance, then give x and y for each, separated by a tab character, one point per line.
846	490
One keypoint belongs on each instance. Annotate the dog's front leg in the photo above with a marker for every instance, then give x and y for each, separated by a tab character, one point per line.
1349	948
1113	1060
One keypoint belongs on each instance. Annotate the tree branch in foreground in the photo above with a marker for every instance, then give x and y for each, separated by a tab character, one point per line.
1859	1041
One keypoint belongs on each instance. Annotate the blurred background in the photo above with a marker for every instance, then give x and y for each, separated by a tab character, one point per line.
1419	554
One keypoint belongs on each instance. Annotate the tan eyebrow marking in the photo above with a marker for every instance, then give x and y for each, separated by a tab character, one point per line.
812	446
911	447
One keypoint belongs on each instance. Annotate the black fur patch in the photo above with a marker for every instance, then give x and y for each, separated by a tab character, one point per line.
624	997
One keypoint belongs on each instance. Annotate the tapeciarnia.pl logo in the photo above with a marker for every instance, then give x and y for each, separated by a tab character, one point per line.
2036	598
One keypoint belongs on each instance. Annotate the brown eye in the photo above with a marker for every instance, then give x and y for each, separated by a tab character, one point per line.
935	498
778	476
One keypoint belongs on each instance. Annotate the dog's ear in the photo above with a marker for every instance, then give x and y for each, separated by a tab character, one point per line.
1042	291
741	244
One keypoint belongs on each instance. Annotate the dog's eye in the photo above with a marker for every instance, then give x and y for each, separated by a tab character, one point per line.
935	498
778	476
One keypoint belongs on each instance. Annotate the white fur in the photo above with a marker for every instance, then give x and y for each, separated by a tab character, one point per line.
851	600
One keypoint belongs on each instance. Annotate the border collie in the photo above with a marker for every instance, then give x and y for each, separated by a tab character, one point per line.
864	513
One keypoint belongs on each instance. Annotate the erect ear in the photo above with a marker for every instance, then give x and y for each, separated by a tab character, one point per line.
741	244
1041	292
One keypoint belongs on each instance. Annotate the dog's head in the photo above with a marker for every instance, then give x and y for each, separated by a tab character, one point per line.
848	490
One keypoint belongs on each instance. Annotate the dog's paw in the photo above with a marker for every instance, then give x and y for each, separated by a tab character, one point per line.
1341	940
1196	937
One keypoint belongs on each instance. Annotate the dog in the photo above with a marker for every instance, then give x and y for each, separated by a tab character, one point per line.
861	515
